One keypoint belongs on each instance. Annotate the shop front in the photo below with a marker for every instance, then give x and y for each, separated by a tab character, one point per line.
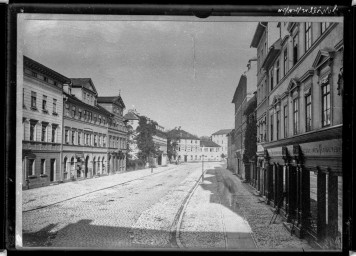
305	182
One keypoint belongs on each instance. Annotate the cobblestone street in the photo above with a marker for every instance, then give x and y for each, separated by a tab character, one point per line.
171	208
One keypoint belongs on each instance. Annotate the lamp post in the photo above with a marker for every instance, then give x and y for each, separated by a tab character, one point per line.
202	169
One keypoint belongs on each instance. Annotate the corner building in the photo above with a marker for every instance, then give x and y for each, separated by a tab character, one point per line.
301	134
42	124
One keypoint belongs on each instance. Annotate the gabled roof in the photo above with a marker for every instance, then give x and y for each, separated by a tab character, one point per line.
131	116
113	99
27	62
208	143
86	83
222	132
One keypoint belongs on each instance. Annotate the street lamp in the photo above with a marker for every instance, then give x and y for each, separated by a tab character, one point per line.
202	169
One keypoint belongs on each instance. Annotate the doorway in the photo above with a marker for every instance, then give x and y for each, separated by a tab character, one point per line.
52	168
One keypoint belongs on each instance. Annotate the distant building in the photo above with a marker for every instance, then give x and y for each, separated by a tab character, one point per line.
42	124
160	139
220	138
243	93
210	151
188	145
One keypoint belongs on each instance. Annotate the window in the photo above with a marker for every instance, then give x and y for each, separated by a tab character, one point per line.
325	89
43	166
73	137
277	124
271	75
295	116
271	125
308	33
32	131
95	117
43	132
324	26
45	78
67	109
31	167
308	111
277	72
80	113
73	111
285	61
54	106
85	115
285	121
33	100
66	136
34	74
44	102
90	116
295	49
95	140
79	137
54	128
99	119
104	141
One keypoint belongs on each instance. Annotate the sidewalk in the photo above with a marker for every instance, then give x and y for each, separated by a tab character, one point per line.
223	213
39	197
258	216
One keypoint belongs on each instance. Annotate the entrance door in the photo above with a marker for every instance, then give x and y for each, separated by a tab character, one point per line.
185	158
51	173
159	160
94	167
86	167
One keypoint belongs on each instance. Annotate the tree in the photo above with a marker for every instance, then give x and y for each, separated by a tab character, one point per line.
250	133
172	143
223	156
146	130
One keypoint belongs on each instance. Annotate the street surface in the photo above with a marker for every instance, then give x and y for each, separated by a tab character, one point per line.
169	208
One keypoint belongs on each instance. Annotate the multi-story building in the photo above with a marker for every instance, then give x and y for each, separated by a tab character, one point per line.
160	139
231	156
188	145
220	138
117	132
42	124
210	151
93	134
302	162
243	93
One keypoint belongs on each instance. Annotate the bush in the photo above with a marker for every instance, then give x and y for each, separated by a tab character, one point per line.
135	164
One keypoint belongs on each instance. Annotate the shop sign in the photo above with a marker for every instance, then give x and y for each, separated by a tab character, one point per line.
322	148
275	151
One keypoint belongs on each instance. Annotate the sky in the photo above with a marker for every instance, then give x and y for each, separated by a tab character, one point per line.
178	73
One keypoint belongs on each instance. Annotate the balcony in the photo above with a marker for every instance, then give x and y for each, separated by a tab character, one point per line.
40	145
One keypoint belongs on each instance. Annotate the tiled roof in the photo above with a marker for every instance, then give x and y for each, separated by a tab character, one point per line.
87	83
131	116
43	69
222	132
111	99
208	143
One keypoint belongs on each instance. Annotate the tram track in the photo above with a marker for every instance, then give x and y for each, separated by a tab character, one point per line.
97	190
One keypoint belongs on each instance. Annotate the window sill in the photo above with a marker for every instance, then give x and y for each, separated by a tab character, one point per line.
43	175
34	108
55	114
32	177
45	111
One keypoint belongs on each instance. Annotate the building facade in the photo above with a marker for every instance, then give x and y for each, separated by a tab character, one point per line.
231	159
301	166
42	124
220	138
210	151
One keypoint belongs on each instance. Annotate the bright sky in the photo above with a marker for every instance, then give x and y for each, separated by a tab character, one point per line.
178	73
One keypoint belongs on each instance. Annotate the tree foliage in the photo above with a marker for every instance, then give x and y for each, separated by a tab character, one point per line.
172	143
146	130
250	133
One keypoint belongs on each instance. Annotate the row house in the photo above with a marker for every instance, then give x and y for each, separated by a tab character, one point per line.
188	146
42	124
220	138
69	132
243	93
299	117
